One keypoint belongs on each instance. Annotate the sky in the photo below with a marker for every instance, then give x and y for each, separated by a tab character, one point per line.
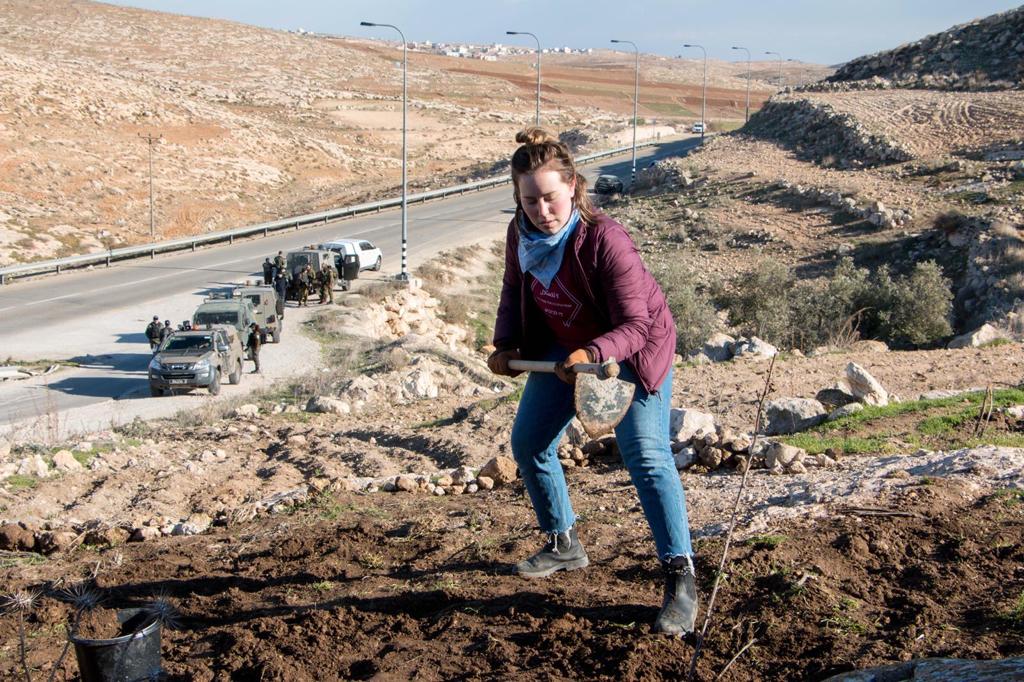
818	31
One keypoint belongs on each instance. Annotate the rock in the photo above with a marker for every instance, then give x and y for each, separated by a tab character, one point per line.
686	424
439	491
789	415
684	458
444	480
15	537
782	455
753	348
837	395
55	541
463	475
711	457
106	536
865	387
327	405
194	525
1015	411
144	534
406	484
869	346
485	482
247	410
420	383
296	439
986	333
500	470
472	488
938	669
65	461
845	411
797	468
5	448
33	465
719	347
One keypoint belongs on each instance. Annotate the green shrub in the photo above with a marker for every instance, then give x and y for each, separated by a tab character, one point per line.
761	302
692	310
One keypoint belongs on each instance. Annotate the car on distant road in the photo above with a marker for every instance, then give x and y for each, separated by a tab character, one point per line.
608	184
368	255
200	358
698	127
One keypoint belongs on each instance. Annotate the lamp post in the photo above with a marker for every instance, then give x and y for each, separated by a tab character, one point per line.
404	274
703	92
527	33
780	66
747	117
150	140
794	61
636	97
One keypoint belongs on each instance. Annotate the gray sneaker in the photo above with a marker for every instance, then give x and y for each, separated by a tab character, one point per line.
678	614
563	552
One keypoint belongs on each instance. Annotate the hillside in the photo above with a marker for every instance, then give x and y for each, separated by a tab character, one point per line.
257	124
985	54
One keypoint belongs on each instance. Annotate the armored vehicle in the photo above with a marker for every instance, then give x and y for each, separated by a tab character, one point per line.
264	302
346	265
236	312
200	358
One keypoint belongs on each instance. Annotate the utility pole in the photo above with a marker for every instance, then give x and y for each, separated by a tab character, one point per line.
636	97
703	92
781	84
747	116
527	33
150	140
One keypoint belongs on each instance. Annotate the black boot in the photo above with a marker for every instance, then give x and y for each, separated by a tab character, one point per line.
563	552
678	614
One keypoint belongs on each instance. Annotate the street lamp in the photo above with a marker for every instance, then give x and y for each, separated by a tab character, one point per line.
404	274
704	91
151	140
636	97
780	66
527	33
747	117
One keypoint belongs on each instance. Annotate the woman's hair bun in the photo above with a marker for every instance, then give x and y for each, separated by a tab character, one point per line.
535	135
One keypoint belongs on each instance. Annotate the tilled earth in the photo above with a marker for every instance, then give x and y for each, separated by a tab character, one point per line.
406	587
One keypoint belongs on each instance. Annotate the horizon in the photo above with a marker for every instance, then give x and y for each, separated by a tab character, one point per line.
805	31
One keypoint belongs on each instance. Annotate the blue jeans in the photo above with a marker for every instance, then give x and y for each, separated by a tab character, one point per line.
545	411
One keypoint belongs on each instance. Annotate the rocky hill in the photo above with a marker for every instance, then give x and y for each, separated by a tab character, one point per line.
985	54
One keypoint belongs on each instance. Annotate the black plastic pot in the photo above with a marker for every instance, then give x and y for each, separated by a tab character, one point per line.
129	658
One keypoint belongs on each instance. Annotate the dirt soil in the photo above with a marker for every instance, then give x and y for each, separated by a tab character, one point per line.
402	587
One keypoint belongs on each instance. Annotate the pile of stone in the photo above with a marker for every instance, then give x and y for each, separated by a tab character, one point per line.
410	311
575	139
875	212
988	292
666	173
819	133
721	347
986	54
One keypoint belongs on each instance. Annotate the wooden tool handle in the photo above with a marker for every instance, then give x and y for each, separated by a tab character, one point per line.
608	369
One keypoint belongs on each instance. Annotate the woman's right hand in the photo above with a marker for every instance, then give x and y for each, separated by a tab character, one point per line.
498	362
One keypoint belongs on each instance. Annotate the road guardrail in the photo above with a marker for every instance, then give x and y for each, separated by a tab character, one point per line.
58	265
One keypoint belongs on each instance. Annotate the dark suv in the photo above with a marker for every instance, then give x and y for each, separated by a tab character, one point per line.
608	184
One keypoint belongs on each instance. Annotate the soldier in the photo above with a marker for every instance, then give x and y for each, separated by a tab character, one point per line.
329	276
279	262
153	332
253	346
306	280
268	271
281	287
166	330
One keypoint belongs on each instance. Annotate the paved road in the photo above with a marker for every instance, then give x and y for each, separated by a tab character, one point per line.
77	315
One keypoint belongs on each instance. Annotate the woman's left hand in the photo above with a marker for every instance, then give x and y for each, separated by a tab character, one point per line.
564	369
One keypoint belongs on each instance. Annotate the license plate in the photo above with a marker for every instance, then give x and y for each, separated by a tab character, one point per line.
178	381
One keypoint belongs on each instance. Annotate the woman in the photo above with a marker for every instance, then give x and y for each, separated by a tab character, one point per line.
575	290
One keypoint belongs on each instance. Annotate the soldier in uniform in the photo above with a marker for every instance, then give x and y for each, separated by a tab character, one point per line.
306	280
253	346
281	286
268	271
166	330
279	261
153	332
330	276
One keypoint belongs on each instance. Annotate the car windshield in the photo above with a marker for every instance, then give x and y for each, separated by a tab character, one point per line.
255	298
183	344
216	317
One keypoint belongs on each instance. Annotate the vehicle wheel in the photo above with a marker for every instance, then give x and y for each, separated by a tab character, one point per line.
277	336
156	392
376	266
236	376
215	384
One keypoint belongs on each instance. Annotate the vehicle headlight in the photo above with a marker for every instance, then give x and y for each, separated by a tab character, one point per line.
155	365
202	366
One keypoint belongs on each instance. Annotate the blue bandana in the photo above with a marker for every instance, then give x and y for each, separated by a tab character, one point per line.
541	254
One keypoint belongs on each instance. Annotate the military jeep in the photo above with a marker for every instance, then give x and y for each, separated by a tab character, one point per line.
215	310
264	303
196	359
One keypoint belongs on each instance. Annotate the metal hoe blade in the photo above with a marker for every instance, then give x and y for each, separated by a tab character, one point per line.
601	405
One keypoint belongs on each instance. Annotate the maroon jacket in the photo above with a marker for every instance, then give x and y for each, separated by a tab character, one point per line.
623	294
